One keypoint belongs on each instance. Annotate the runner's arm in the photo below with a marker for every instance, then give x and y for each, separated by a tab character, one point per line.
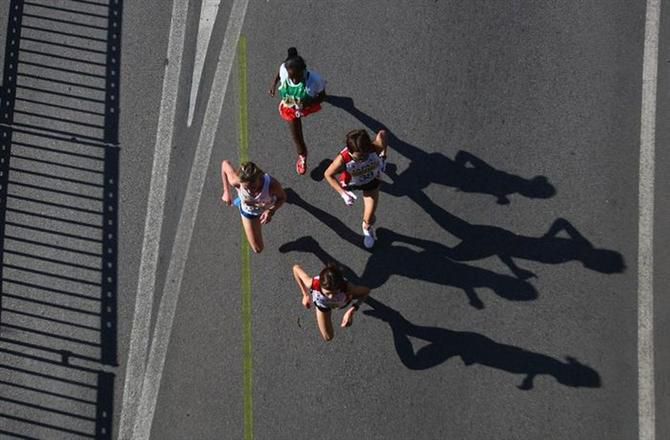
302	278
336	167
304	282
273	85
279	193
359	294
228	178
380	143
318	99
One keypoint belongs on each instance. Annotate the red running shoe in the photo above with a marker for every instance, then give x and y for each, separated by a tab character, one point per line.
301	165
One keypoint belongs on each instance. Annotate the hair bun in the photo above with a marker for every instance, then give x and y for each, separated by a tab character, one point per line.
292	52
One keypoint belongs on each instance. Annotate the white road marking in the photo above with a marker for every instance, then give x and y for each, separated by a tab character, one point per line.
139	337
182	243
210	8
645	262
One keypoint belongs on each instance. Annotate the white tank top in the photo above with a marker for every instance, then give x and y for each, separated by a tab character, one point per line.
255	205
364	171
338	300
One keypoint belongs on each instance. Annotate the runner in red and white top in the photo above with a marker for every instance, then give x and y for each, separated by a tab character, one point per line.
327	291
359	165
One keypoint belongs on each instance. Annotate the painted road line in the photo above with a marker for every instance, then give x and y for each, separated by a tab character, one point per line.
208	13
182	242
139	336
247	355
645	258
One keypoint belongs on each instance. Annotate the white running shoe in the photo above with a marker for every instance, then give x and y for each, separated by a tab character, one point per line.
369	237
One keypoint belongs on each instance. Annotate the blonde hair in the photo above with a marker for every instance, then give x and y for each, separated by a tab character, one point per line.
249	172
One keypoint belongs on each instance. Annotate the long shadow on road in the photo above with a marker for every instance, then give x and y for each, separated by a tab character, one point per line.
473	349
482	241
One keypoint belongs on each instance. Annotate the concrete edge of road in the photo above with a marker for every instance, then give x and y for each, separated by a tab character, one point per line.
646	386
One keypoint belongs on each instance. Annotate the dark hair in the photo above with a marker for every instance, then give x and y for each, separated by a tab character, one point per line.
358	141
294	61
331	278
249	172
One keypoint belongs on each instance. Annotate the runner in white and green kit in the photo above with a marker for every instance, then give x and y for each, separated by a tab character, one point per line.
301	92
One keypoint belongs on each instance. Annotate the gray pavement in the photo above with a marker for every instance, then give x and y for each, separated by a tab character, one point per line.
662	232
480	99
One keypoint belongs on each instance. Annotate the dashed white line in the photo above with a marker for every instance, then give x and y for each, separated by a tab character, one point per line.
180	249
139	337
645	263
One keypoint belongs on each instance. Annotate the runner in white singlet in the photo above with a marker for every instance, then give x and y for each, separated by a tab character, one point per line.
259	197
327	291
359	165
254	205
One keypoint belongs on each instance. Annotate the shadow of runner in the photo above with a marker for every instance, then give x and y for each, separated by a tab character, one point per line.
59	151
482	241
334	223
473	348
427	265
466	172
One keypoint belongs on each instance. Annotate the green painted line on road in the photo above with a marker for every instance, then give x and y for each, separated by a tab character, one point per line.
245	251
243	98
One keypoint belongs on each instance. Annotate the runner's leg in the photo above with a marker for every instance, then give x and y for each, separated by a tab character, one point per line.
325	324
370	202
295	126
252	229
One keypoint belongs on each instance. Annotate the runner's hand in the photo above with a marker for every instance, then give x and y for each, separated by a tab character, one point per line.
227	199
271	92
266	217
307	301
348	197
348	317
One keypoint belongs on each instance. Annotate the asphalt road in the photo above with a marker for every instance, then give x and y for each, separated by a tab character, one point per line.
508	121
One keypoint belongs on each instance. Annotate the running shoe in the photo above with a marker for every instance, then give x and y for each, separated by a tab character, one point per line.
301	165
369	237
